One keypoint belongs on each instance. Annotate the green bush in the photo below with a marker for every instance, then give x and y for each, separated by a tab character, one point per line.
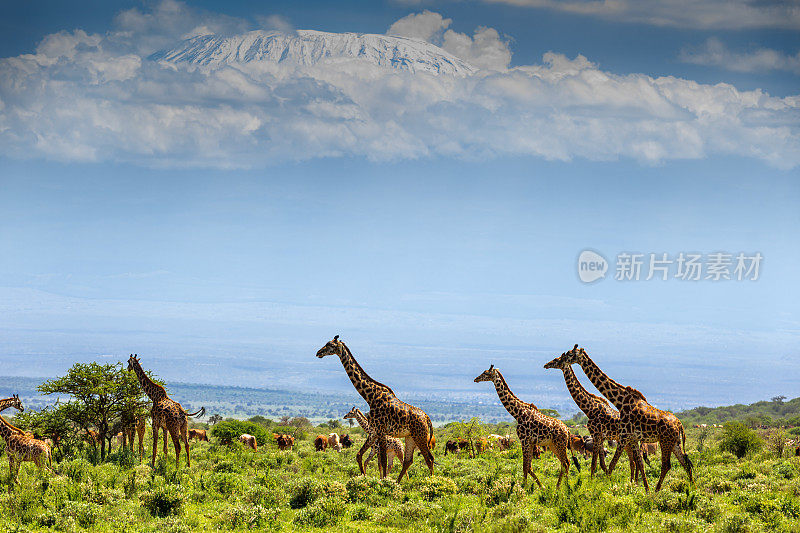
85	514
249	516
739	440
163	501
371	490
434	487
304	491
230	430
322	513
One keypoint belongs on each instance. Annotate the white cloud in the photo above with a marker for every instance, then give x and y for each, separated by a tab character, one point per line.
426	26
275	22
91	97
715	53
707	14
485	49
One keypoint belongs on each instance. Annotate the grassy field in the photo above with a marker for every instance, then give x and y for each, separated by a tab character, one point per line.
229	488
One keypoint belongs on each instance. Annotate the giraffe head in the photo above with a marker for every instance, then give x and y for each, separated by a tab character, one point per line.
16	403
558	362
575	356
133	360
333	347
351	413
487	375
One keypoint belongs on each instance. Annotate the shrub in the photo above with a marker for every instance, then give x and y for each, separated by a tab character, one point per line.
229	431
322	513
163	501
371	490
434	487
739	440
304	492
776	441
84	513
250	517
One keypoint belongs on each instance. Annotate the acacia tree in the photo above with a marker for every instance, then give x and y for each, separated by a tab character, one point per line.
101	395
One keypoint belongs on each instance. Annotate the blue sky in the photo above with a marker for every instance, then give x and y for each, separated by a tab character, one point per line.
432	222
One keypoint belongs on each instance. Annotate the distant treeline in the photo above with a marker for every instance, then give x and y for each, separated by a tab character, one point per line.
776	412
246	402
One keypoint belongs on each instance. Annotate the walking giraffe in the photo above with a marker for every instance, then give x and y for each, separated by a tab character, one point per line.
165	412
603	419
22	447
394	447
639	421
388	416
533	427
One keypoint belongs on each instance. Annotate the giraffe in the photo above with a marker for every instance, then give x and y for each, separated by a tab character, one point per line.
166	413
639	421
394	446
388	415
14	402
603	419
533	427
21	447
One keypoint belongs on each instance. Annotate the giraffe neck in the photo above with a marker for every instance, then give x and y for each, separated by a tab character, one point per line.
513	405
6	429
362	421
153	390
585	401
368	388
609	388
6	403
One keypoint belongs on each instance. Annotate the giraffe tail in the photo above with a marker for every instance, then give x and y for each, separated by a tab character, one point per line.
198	414
575	462
689	463
430	432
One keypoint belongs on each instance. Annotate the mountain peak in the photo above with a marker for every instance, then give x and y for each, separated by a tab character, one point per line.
311	47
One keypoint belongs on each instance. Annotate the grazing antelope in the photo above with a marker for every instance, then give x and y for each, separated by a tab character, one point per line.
249	441
198	434
321	443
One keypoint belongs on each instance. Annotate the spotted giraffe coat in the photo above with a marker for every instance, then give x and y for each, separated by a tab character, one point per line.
534	428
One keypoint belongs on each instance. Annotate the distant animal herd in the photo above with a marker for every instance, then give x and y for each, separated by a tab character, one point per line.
395	429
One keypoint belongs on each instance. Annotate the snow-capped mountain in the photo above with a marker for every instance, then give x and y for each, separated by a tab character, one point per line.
309	47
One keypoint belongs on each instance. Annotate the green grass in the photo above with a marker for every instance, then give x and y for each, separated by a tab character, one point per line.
229	488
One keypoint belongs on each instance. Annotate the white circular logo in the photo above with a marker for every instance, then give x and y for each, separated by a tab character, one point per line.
591	266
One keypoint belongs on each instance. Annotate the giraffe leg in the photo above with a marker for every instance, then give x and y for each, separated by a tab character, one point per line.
177	443
156	425
666	464
372	453
408	457
632	464
637	455
368	444
560	451
597	437
185	439
422	443
382	451
166	432
616	457
527	455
